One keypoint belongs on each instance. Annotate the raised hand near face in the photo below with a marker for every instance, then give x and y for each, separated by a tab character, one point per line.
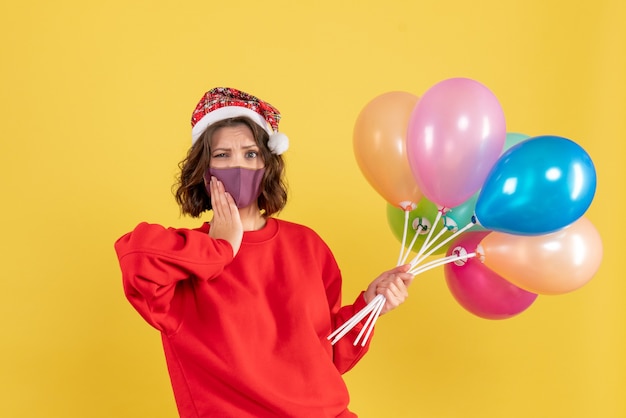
226	223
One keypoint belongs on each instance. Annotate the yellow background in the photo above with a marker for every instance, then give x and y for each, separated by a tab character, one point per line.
95	110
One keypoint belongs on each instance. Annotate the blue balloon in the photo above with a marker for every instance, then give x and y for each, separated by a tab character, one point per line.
538	186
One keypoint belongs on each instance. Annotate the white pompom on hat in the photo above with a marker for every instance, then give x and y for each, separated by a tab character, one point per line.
223	103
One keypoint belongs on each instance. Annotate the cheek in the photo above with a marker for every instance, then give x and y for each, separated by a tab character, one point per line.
219	163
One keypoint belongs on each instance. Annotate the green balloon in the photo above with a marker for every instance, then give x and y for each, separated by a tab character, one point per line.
420	221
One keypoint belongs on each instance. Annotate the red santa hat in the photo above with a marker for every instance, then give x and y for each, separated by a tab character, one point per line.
223	103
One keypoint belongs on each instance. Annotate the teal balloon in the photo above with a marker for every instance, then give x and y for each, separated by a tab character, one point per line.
538	186
462	215
513	138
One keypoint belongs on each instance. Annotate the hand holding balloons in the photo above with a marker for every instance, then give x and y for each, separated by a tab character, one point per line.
448	157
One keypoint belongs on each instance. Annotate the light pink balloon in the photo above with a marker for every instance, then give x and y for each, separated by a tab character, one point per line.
456	133
549	264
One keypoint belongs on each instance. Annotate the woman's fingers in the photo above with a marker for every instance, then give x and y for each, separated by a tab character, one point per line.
226	223
393	286
395	294
218	196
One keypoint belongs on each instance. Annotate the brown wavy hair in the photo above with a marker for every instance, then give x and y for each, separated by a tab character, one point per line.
191	193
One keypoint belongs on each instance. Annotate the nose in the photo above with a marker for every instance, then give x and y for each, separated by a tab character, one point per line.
236	161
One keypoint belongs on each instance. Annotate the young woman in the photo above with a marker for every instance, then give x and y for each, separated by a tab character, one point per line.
245	302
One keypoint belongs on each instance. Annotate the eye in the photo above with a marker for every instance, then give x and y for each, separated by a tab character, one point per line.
252	154
219	155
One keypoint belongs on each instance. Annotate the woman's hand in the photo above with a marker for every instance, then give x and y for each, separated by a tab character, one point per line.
392	285
226	223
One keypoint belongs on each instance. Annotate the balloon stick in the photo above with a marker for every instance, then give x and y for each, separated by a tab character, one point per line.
406	227
441	244
352	322
369	325
440	262
427	240
376	305
410	247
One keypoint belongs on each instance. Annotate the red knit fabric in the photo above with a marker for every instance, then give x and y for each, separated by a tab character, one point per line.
244	336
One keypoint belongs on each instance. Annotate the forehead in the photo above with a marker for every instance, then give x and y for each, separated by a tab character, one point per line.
233	136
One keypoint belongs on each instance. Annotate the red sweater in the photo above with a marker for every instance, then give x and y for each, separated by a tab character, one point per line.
244	336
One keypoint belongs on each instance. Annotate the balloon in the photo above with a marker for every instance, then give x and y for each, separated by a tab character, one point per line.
538	186
460	216
549	264
477	288
513	138
456	133
423	217
379	142
420	221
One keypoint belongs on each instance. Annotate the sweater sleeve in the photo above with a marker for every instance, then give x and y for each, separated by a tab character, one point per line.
345	354
154	260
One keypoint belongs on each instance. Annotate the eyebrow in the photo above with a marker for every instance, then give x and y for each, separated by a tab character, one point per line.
247	147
